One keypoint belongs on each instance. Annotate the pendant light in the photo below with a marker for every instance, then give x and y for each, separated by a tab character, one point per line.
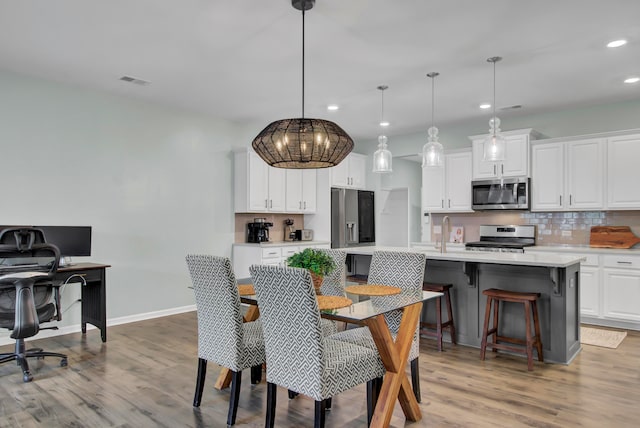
382	156
432	152
495	144
302	143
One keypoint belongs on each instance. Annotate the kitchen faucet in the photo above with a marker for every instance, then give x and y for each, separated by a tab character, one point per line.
444	233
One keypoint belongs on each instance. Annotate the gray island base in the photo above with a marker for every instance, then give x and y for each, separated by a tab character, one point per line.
555	278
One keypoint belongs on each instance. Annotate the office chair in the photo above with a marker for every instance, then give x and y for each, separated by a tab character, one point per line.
27	295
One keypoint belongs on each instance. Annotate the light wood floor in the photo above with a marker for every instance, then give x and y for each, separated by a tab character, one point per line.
144	376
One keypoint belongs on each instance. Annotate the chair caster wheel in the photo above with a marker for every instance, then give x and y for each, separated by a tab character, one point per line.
26	377
63	362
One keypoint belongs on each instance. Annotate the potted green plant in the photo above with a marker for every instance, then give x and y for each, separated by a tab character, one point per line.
317	262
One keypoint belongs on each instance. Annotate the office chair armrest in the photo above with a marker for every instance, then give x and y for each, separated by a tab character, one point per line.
26	322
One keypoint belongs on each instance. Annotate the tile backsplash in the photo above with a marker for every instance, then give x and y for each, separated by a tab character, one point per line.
276	233
553	228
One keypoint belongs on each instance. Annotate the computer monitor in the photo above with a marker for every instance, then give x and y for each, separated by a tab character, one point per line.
72	241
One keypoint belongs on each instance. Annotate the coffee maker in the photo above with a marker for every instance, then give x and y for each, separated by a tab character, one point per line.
258	231
289	231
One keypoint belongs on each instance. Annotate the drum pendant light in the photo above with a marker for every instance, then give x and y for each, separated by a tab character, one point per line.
382	157
302	143
495	144
432	152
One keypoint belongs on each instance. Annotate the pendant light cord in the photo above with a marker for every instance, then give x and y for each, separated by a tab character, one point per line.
494	96
433	97
303	7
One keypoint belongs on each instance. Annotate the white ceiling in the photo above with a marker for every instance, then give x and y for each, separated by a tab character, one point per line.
241	59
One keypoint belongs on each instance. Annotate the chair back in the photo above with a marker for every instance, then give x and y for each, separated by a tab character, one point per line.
399	269
291	326
334	283
218	306
27	264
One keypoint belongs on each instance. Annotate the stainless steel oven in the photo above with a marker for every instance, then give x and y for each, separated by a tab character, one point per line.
500	194
504	238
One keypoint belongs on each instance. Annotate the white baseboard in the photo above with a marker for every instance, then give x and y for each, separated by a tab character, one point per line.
42	334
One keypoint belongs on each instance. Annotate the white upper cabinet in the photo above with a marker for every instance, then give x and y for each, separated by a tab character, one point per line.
258	187
350	173
585	174
448	188
516	162
547	177
568	175
623	172
301	191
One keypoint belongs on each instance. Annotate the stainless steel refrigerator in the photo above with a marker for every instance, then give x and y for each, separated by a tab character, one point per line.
352	218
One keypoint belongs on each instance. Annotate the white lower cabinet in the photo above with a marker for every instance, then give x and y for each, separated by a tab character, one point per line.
245	255
621	283
590	290
609	287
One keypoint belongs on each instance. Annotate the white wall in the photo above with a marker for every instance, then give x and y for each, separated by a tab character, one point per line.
154	183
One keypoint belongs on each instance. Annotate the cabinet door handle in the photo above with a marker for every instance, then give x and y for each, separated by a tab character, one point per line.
449	203
494	169
442	202
270	203
266	203
570	199
299	205
621	262
560	200
305	205
502	169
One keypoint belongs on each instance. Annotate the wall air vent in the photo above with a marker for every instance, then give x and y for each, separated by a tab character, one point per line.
135	80
514	107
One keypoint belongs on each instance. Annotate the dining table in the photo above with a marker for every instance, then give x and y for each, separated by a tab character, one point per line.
393	353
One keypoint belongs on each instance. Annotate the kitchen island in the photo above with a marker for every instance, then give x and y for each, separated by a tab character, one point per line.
555	277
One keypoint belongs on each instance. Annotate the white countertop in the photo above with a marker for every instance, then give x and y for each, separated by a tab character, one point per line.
585	249
281	243
520	259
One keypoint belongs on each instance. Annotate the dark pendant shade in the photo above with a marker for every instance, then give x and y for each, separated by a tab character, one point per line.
302	144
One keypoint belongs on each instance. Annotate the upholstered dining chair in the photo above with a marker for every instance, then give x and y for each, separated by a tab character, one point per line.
334	283
299	357
223	337
399	269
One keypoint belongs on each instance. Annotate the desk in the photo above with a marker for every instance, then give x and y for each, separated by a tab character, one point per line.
94	294
394	355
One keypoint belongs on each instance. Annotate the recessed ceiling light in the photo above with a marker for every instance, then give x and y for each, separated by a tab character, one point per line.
632	80
485	106
385	123
616	43
332	107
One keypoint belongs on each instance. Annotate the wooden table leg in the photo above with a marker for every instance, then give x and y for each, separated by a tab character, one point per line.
224	378
394	357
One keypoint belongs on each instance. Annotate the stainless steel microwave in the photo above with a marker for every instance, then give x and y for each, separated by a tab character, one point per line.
511	193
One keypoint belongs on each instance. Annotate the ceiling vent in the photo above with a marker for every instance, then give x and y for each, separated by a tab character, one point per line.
135	80
514	107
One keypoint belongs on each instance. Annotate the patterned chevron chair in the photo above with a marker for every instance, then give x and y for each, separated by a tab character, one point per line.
299	357
399	269
333	284
222	336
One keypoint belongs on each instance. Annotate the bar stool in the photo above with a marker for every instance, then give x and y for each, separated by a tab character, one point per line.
529	300
439	325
